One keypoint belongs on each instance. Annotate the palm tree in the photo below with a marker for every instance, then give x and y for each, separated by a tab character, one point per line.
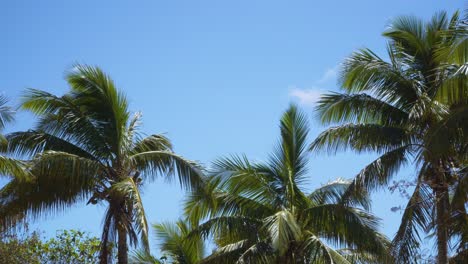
86	147
8	167
176	245
412	107
259	213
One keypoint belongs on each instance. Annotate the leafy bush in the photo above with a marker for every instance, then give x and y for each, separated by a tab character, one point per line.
68	246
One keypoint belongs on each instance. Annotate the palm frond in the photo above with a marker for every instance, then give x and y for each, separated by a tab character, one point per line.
152	143
64	118
260	252
417	215
6	112
143	257
289	158
228	253
283	229
236	226
128	190
109	235
177	242
364	71
333	191
169	164
14	168
32	142
96	92
318	252
345	226
358	108
361	138
378	173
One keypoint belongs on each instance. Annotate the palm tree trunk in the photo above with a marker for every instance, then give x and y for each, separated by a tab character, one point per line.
442	204
122	255
282	260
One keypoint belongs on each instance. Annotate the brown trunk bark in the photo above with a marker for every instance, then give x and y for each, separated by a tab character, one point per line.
442	224
122	255
442	209
103	255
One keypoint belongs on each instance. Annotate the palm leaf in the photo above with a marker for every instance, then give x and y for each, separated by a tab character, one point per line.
166	163
416	217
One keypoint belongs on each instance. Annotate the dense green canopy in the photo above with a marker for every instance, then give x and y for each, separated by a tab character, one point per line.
412	107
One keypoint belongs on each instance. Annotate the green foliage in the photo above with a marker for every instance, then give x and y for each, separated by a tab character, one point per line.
177	244
411	107
68	246
259	212
20	248
72	247
88	141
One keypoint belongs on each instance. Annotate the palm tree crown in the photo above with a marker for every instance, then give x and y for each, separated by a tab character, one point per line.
258	212
177	243
412	107
86	147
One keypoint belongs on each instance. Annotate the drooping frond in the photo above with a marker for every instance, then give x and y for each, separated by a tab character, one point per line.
240	176
361	138
128	191
33	142
358	108
344	226
333	191
318	252
378	173
152	143
177	242
169	164
417	215
13	168
43	193
64	118
260	252
236	226
356	257
364	71
143	257
109	236
6	112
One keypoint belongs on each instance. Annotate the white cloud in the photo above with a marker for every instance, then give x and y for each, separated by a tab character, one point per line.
329	74
307	97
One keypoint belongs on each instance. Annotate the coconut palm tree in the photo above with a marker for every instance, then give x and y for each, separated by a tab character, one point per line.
8	167
259	212
11	168
175	243
411	107
86	147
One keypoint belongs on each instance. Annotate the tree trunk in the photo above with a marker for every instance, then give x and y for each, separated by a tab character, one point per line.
122	255
282	260
442	209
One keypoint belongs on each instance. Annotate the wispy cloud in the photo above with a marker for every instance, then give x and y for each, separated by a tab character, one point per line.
306	97
309	96
330	74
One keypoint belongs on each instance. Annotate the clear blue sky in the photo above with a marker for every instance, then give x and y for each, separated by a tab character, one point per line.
214	75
